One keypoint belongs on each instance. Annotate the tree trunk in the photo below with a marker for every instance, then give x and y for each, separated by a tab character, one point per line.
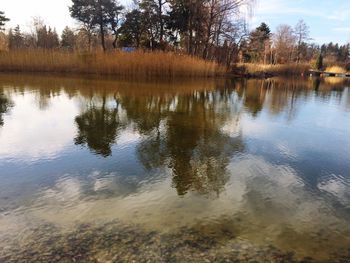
102	32
161	29
89	36
209	26
101	24
115	39
115	43
190	40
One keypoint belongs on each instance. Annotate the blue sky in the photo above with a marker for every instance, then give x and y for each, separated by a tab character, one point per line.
329	20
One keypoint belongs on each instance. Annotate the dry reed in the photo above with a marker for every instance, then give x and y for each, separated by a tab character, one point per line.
275	70
336	69
129	65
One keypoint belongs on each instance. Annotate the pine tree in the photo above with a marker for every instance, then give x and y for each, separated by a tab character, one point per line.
68	39
16	39
259	39
319	62
98	15
132	28
3	20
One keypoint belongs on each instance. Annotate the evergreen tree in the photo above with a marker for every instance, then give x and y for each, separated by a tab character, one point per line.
132	28
68	39
81	10
96	15
319	62
258	40
114	11
148	9
16	39
3	20
47	38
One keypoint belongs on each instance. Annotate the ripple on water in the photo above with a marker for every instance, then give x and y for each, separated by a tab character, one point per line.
98	171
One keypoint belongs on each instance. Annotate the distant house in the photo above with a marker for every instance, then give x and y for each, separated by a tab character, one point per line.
128	49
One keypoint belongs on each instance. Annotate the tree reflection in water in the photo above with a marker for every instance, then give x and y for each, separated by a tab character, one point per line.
98	127
182	127
191	143
5	105
182	133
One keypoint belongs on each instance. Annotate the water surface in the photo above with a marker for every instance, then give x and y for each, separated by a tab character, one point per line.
206	170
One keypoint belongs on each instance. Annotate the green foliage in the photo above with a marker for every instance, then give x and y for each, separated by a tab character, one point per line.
100	15
5	105
264	30
132	28
3	19
47	38
114	11
336	52
97	127
202	28
258	40
68	39
15	38
199	28
319	62
84	12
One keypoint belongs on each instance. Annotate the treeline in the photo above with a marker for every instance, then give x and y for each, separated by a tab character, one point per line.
288	45
209	29
206	29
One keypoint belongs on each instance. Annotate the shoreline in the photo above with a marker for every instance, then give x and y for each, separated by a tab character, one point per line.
134	75
108	76
143	66
137	65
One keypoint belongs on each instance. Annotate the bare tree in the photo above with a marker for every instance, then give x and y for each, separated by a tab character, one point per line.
302	33
284	43
218	13
234	33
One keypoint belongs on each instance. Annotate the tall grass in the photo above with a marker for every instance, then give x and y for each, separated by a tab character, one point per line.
129	65
336	69
274	70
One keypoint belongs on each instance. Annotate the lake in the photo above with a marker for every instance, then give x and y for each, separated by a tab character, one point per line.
103	170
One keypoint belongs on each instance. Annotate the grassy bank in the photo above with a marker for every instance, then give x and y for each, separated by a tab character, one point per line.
336	69
128	65
135	65
261	70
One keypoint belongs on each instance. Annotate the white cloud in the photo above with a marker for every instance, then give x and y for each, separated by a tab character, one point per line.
30	134
336	186
342	29
278	7
340	14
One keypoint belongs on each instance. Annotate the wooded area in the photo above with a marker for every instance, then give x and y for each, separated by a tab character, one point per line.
213	30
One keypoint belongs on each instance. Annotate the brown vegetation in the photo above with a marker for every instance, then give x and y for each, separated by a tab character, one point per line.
255	69
336	69
130	65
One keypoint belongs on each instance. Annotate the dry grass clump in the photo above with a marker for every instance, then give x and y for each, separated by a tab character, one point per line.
336	69
279	69
130	65
334	81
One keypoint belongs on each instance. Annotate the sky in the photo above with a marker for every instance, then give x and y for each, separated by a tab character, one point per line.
329	20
